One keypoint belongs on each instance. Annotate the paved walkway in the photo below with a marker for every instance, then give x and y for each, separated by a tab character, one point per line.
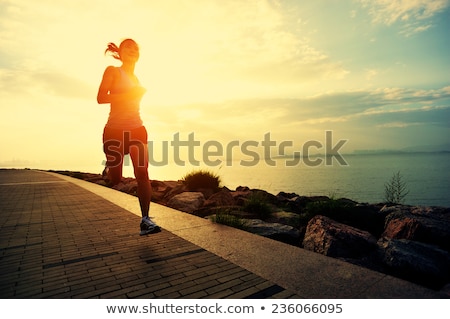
65	238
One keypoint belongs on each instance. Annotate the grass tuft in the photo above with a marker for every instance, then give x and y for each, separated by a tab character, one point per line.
200	179
257	204
225	218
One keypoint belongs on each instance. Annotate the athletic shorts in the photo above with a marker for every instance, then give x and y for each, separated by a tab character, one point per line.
117	142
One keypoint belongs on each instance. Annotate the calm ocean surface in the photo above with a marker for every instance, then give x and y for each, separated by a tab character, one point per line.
427	176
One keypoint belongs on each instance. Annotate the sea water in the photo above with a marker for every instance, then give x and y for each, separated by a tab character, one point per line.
426	177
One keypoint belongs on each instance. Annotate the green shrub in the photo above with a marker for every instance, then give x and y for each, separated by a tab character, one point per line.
333	208
257	204
225	218
201	179
395	190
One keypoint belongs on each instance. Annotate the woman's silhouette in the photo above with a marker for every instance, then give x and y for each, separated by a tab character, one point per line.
124	133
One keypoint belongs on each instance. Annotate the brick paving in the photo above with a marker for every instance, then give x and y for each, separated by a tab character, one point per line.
58	240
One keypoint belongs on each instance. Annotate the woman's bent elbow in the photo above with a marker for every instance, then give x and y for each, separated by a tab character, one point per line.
101	99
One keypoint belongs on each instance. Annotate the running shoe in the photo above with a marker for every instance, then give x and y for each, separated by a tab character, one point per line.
148	227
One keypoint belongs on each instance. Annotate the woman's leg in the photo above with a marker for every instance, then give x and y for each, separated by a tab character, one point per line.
144	190
139	156
136	146
113	149
113	172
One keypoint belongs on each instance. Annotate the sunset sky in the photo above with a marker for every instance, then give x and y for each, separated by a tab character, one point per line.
376	73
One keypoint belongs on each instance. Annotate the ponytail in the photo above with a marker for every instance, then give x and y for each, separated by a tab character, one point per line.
113	50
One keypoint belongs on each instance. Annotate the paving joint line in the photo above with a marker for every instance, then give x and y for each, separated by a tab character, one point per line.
20	246
32	183
183	254
73	261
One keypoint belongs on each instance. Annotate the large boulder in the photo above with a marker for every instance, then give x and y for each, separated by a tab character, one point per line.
175	190
424	224
220	199
160	189
415	261
241	194
187	202
328	237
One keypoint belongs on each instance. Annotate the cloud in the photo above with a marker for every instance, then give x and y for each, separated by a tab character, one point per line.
391	11
359	110
418	119
412	14
21	83
402	95
397	125
342	106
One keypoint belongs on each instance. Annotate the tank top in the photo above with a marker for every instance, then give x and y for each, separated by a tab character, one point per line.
124	115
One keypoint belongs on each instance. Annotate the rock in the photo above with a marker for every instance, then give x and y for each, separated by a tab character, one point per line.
161	189
348	212
423	224
292	201
401	227
207	192
328	237
441	213
284	195
93	178
187	202
276	231
286	218
265	196
318	198
221	198
221	201
386	209
368	218
241	194
126	186
177	188
347	202
418	262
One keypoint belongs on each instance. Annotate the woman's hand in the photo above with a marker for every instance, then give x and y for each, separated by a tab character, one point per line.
105	96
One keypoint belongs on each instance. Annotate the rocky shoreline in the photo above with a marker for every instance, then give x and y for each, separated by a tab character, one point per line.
409	242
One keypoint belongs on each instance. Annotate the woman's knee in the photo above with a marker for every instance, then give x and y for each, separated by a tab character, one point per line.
141	174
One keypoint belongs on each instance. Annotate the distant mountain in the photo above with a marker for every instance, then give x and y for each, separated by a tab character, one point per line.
428	148
410	149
